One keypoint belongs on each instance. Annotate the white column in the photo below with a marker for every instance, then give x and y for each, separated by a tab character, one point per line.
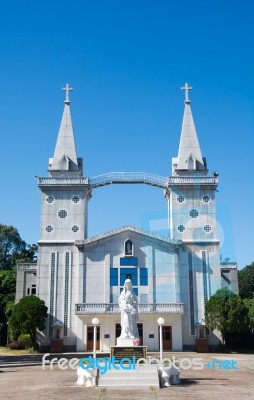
161	322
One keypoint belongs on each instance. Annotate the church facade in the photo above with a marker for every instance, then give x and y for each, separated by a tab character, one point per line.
81	277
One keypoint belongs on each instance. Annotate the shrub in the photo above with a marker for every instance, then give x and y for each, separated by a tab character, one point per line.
25	337
28	316
17	345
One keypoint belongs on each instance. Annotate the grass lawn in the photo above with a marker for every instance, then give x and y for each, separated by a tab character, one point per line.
9	352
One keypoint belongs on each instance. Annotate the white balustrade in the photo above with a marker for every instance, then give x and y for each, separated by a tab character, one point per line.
107	308
62	181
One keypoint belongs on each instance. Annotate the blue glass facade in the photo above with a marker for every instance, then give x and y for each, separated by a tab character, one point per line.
129	273
143	277
113	276
129	261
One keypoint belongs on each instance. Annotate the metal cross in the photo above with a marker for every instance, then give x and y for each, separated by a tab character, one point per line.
67	89
186	88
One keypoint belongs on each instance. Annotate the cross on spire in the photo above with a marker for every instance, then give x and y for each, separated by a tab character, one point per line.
67	89
186	88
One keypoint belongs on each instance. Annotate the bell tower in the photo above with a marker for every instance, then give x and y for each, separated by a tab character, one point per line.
192	215
64	200
65	193
192	219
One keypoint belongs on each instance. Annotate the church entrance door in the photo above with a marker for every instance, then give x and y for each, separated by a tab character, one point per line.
166	337
89	344
140	332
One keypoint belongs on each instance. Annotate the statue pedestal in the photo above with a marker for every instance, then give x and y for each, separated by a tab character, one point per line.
127	372
124	342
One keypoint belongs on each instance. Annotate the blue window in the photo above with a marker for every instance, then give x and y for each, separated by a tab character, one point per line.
181	228
143	277
206	199
128	273
207	228
113	276
193	213
129	261
180	198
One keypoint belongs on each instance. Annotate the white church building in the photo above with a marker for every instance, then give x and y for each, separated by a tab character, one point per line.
81	277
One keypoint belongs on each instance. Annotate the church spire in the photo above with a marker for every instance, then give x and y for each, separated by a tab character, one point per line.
65	157
189	153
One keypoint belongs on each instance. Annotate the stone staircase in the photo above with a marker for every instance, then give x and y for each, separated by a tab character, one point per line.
142	376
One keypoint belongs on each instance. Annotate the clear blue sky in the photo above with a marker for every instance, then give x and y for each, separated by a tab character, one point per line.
127	61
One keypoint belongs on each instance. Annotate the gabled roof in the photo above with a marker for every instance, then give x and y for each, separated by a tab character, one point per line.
127	228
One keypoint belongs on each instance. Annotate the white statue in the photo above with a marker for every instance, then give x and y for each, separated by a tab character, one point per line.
128	303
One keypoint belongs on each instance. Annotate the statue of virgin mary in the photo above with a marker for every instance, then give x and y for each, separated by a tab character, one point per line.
128	303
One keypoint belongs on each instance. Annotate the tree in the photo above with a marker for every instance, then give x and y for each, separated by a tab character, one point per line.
7	288
226	314
246	282
13	249
7	296
28	315
224	293
225	260
249	303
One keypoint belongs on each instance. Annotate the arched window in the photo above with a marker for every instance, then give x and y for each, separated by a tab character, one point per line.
128	248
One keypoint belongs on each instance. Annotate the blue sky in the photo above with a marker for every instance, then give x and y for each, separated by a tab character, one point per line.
127	61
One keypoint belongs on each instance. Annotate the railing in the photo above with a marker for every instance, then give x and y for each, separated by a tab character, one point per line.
62	181
128	177
172	180
107	308
175	308
26	266
228	264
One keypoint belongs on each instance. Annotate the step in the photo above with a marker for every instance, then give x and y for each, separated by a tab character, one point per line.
141	371
114	382
145	376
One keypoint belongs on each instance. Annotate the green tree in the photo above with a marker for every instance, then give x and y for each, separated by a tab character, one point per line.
28	315
246	282
224	293
7	287
249	303
226	314
7	296
13	249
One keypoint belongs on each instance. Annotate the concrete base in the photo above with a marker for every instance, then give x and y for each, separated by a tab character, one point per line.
169	376
124	342
86	377
143	376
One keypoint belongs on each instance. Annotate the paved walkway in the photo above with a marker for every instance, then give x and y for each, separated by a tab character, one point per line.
22	378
